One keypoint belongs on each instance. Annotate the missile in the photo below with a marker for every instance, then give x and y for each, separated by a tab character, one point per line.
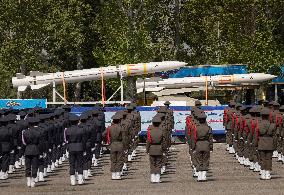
38	79
158	84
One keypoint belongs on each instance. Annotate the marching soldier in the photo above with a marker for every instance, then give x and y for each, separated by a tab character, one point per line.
155	146
76	145
6	141
116	141
31	139
265	148
280	122
228	123
202	144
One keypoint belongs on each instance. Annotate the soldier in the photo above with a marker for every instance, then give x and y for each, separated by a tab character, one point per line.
22	125
87	160
31	139
76	145
280	121
265	148
6	141
117	142
228	122
202	144
155	146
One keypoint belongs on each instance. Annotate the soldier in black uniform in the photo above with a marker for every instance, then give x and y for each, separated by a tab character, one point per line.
31	139
22	126
76	145
6	141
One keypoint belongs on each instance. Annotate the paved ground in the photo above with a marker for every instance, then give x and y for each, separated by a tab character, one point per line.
226	177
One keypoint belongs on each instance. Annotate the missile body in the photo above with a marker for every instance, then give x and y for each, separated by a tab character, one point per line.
157	84
37	79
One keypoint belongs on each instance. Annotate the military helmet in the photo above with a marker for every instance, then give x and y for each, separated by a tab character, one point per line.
167	103
265	111
197	103
156	120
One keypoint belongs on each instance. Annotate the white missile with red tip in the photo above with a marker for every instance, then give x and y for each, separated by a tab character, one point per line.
158	84
38	79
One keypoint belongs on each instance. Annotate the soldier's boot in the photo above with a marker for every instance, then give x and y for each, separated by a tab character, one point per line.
282	158
133	154
44	172
36	179
40	176
237	156
56	163
67	154
251	167
48	170
80	179
279	157
242	160
203	175
52	166
163	169
113	175
267	175
89	173
195	172
199	176
96	162
17	165
118	175
85	174
23	161
60	161
256	167
158	178
73	180
129	158
124	168
1	175
262	174
29	181
231	150
153	178
33	183
10	169
228	147
275	154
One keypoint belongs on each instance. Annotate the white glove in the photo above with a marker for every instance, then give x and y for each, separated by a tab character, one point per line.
12	152
19	147
85	153
58	146
40	156
44	155
93	149
49	150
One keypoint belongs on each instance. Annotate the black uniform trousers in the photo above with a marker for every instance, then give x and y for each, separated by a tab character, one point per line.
155	164
76	162
31	162
5	161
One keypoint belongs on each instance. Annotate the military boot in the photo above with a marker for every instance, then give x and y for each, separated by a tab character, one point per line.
40	176
267	175
29	181
80	179
73	180
33	183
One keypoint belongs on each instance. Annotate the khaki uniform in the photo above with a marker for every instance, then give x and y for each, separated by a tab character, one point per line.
155	147
201	146
265	143
117	144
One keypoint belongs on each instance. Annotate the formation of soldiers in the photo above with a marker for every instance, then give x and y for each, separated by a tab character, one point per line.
42	139
255	135
200	141
122	138
159	141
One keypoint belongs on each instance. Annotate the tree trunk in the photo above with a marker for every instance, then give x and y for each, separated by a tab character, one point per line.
78	87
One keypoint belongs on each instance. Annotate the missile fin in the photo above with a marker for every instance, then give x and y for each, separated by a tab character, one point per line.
22	88
34	87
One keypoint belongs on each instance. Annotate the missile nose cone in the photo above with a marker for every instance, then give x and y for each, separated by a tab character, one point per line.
270	76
